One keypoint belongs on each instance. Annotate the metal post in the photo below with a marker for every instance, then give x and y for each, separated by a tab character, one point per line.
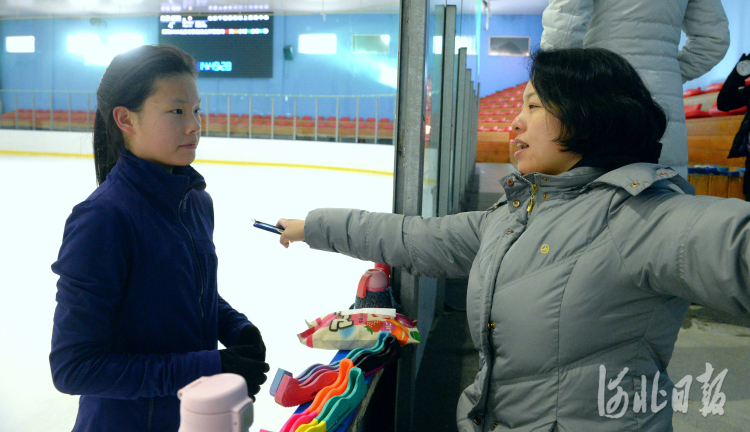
377	120
408	181
294	121
250	119
33	111
15	107
395	129
459	132
316	119
356	123
337	120
273	117
447	112
229	115
88	105
208	117
70	115
51	112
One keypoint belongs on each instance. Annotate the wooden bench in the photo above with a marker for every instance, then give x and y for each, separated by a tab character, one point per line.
709	140
493	147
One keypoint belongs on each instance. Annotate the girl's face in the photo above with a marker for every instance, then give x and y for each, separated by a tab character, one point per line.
537	130
167	129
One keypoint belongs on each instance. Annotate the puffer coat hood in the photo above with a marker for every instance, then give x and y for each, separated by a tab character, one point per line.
569	274
647	33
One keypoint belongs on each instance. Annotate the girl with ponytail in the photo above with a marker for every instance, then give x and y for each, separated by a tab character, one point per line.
138	311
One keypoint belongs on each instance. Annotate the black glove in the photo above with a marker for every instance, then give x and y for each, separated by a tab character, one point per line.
240	360
250	335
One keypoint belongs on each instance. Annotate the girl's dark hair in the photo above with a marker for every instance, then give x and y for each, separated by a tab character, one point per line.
603	105
128	81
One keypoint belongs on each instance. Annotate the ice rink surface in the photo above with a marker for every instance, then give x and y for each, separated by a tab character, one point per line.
276	288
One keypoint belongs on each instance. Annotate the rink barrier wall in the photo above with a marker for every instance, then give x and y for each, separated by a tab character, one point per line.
350	157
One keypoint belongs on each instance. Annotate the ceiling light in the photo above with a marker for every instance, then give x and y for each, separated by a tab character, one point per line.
20	44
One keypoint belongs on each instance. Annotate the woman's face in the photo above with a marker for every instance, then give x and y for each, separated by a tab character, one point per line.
537	130
167	129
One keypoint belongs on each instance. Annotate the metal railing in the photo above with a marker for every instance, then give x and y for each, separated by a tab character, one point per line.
259	121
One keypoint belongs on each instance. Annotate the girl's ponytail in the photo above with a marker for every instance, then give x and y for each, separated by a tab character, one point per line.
106	153
128	81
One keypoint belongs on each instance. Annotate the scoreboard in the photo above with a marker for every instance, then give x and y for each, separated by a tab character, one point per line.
232	46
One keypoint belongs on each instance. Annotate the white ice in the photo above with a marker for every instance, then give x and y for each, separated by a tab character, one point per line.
276	288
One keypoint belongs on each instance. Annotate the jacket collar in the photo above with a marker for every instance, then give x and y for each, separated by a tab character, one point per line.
159	187
633	178
517	186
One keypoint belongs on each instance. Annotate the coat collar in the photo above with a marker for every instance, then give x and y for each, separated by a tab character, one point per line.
159	187
633	178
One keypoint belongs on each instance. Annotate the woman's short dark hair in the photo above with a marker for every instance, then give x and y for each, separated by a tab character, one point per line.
603	104
128	81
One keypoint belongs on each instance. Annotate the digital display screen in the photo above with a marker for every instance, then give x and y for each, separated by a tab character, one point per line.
229	46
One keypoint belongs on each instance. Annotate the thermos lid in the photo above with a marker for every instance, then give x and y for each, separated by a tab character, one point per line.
214	395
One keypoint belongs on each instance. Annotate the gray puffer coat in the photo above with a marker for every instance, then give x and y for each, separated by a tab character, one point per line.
569	273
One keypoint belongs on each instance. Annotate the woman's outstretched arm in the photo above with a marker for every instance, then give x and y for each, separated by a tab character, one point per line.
435	247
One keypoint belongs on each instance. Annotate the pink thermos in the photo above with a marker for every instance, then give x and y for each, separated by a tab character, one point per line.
372	291
216	403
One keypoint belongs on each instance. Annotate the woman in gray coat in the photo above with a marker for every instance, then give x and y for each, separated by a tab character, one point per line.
579	277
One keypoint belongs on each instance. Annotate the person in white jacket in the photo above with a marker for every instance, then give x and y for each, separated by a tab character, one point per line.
647	34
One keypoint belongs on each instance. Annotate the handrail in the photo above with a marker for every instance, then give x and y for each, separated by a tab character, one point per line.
217	94
343	129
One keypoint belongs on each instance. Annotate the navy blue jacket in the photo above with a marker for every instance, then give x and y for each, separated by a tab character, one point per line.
138	313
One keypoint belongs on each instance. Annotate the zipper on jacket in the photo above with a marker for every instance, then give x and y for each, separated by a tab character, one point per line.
183	207
534	188
150	413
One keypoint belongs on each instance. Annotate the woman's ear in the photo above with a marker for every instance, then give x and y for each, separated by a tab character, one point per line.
125	119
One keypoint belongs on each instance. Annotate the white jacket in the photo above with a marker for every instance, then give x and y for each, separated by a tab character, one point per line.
647	33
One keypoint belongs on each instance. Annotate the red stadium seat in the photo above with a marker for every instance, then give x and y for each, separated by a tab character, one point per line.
713	88
694	111
714	111
692	92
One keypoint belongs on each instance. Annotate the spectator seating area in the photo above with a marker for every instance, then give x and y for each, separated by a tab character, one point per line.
710	134
701	103
301	127
496	112
263	126
41	119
